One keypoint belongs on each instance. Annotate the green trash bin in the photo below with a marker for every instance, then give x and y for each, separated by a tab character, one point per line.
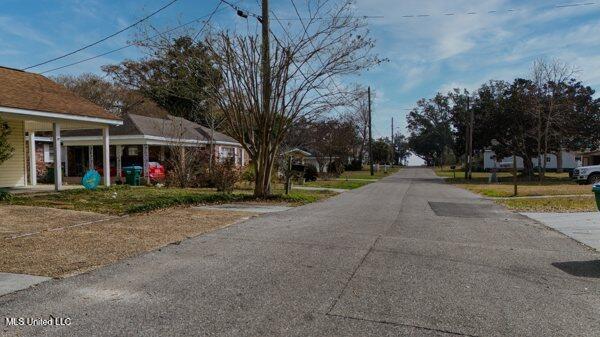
132	175
596	190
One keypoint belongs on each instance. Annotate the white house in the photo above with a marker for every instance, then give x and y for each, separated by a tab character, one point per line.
570	160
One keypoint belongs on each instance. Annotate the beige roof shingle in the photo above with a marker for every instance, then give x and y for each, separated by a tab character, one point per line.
29	91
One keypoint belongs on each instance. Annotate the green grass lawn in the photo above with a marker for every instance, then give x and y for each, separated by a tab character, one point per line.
127	200
341	184
366	174
559	204
555	185
350	180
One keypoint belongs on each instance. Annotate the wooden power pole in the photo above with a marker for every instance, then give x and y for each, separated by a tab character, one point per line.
469	140
370	134
393	148
266	59
265	71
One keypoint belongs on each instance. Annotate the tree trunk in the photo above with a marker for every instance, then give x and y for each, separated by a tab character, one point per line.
527	167
263	168
559	161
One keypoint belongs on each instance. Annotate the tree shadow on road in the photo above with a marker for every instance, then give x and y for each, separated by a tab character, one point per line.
580	268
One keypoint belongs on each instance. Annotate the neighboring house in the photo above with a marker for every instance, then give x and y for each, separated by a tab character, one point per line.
570	160
590	158
32	103
306	158
144	137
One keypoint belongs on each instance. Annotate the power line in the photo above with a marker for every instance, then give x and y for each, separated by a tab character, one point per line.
105	38
209	16
312	44
501	11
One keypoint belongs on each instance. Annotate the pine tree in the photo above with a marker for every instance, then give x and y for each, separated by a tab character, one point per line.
6	150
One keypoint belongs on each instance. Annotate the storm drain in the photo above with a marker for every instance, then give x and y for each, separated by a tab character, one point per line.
463	210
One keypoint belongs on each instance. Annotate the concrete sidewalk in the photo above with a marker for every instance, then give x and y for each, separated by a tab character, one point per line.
14	282
583	227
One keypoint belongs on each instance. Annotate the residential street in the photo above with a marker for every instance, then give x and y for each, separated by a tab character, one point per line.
408	255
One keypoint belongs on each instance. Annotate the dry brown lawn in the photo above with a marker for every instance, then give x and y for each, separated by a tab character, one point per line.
72	250
20	220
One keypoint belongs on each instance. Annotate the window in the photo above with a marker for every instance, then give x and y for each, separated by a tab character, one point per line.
48	153
133	151
547	159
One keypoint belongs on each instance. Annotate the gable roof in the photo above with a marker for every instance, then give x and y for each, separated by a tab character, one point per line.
167	126
29	91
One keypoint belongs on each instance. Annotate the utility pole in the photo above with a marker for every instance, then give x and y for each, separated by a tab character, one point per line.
393	145
471	127
265	70
370	134
514	174
266	58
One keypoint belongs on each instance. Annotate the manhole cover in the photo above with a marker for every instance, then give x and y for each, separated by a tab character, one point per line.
463	210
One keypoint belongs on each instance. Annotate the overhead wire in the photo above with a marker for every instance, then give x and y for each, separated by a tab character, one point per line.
200	19
104	38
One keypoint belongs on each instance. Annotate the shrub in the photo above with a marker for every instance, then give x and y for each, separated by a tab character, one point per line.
225	175
355	165
6	150
310	173
335	168
187	167
5	195
248	174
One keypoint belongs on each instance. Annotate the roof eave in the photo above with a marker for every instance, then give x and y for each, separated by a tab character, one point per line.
63	116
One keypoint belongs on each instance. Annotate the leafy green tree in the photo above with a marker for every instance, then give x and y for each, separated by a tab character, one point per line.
6	150
430	129
401	148
177	75
382	151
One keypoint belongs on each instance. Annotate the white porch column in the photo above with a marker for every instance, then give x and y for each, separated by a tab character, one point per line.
242	156
119	154
57	157
32	161
162	154
91	157
66	156
106	155
145	160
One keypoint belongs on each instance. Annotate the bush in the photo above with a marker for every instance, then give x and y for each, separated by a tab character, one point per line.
310	173
249	174
335	168
5	195
355	165
225	175
187	167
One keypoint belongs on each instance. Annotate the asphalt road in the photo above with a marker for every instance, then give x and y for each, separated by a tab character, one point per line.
408	255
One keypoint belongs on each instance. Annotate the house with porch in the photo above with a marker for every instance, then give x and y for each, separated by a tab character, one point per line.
148	135
589	158
31	103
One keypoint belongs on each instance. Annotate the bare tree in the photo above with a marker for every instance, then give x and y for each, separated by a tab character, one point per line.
332	42
359	117
96	89
550	78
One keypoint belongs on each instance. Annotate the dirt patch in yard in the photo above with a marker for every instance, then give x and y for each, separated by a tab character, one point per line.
77	249
19	220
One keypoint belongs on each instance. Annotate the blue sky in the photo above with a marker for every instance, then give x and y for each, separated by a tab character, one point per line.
427	54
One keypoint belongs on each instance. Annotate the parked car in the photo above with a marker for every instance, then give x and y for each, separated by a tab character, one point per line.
587	174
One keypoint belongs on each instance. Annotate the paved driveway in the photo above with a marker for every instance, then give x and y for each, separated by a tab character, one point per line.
407	255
